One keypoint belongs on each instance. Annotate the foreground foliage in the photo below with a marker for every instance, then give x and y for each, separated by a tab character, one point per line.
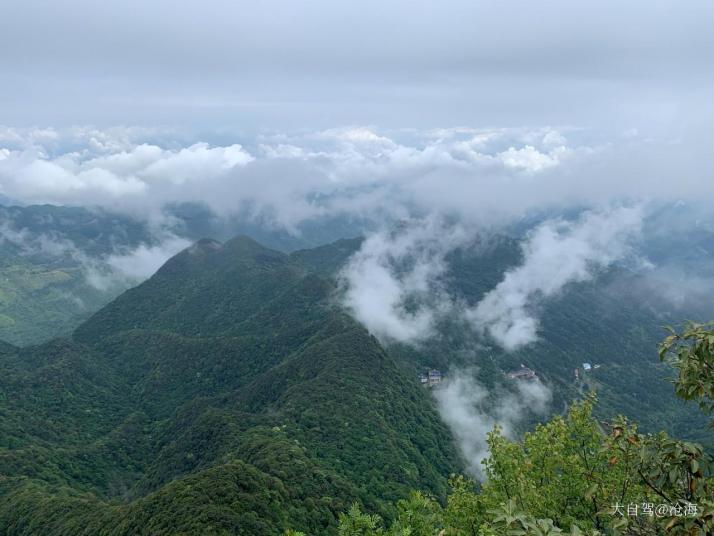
570	475
576	475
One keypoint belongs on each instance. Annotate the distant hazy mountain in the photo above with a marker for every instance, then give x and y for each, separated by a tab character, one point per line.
47	254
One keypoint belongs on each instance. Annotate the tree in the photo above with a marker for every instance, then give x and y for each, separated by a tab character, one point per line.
357	523
576	474
691	353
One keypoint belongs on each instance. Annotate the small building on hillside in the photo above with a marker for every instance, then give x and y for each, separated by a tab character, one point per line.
523	373
587	367
434	377
430	378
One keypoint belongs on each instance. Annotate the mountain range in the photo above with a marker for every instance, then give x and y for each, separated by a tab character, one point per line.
232	393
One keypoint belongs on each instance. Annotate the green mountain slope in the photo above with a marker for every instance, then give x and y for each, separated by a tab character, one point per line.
230	394
225	395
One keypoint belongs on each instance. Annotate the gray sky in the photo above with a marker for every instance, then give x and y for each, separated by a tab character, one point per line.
278	64
300	110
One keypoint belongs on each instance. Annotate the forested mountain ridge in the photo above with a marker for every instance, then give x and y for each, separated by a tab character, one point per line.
61	264
231	393
226	394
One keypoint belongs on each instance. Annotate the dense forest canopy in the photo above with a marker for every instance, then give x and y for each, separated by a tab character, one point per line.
226	394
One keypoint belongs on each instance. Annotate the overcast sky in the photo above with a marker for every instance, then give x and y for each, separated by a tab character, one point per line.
307	109
284	65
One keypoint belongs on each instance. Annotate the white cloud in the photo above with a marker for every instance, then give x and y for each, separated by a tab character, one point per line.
127	162
144	175
359	135
465	407
553	139
529	158
118	270
392	284
40	180
143	261
484	176
195	163
556	253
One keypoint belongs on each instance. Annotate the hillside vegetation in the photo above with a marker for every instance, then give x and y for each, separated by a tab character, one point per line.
578	476
225	395
231	394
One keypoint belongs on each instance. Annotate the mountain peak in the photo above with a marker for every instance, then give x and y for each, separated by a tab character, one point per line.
205	244
208	287
245	245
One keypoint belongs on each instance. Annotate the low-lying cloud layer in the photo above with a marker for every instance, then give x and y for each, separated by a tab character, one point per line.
555	253
394	284
476	174
463	405
125	266
132	265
